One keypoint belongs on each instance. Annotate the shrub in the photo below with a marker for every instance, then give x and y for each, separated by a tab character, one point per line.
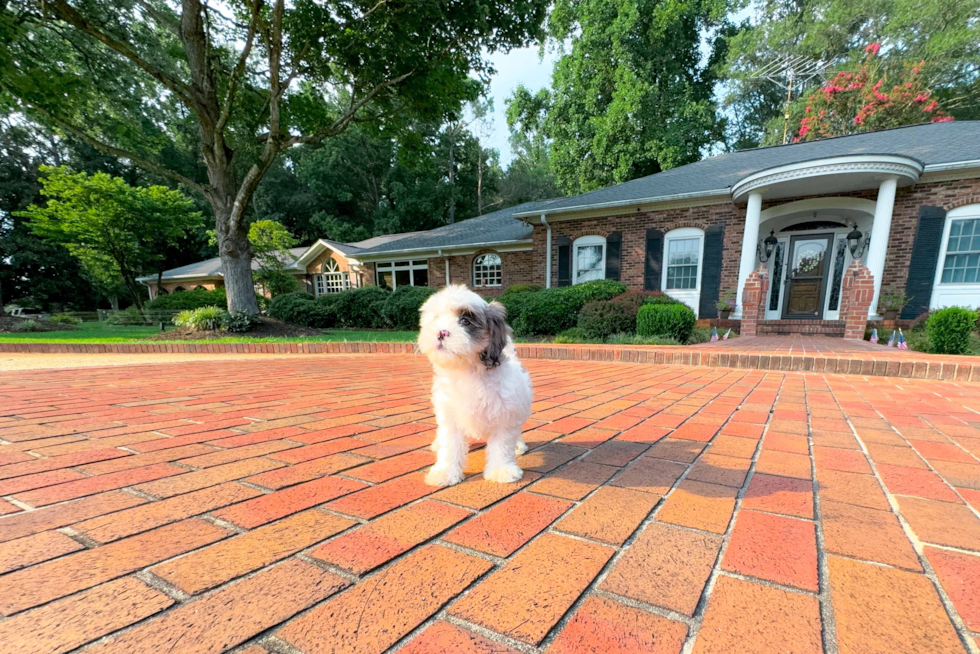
401	308
662	298
554	310
361	307
701	335
673	320
514	289
301	308
571	335
598	320
240	322
128	316
202	319
949	330
65	319
28	326
636	339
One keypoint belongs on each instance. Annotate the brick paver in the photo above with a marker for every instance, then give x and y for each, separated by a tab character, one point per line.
269	505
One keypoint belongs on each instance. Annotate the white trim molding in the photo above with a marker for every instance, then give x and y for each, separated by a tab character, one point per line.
874	164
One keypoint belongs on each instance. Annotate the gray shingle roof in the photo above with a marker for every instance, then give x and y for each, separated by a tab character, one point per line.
929	143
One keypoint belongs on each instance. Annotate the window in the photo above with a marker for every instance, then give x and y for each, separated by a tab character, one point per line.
962	263
589	259
392	274
487	270
683	256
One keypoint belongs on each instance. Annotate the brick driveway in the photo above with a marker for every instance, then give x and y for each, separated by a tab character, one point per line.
277	505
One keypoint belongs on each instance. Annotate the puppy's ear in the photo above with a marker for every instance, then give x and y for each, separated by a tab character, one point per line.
498	331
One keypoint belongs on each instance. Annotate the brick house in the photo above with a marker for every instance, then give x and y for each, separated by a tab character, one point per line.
905	201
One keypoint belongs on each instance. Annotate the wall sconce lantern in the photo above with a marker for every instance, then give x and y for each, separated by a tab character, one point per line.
855	244
768	246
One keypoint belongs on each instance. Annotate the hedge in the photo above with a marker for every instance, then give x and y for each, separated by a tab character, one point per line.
554	310
360	307
949	330
671	320
401	308
600	320
301	308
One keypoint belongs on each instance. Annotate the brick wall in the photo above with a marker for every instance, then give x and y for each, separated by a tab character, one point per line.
633	227
516	267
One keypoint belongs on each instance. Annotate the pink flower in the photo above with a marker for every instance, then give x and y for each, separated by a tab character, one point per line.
944	119
877	86
929	108
908	85
808	110
872	49
881	97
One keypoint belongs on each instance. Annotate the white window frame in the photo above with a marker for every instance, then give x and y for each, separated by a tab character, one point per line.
689	296
954	294
486	272
584	241
394	266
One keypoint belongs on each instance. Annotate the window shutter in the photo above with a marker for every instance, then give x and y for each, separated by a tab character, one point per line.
925	258
654	257
564	261
714	239
614	249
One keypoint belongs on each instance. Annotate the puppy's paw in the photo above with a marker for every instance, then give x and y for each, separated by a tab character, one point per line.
443	476
505	474
521	447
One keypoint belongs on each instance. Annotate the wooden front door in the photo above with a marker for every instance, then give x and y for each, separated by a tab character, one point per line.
806	279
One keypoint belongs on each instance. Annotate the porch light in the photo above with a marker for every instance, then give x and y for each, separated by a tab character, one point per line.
769	244
854	243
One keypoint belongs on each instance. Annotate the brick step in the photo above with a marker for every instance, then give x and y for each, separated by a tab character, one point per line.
834	328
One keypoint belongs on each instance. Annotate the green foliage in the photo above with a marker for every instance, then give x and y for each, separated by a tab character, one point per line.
114	229
636	339
701	335
520	288
942	33
188	300
301	308
239	322
727	302
128	316
553	310
949	330
599	320
401	308
361	308
632	91
529	176
270	245
671	320
28	326
892	301
65	319
202	319
277	282
661	298
571	335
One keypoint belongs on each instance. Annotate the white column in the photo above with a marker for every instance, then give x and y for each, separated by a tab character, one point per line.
547	265
750	242
880	230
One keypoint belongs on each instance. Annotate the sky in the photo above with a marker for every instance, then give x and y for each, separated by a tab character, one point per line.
523	66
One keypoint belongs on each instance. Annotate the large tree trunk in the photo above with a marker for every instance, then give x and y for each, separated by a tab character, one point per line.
236	261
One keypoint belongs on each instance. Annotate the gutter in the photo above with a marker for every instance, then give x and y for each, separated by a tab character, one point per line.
723	192
447	266
953	165
547	264
388	254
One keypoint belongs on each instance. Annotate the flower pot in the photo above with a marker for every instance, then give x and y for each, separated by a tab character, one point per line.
890	314
724	313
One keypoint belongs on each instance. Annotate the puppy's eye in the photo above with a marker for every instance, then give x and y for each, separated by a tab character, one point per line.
465	322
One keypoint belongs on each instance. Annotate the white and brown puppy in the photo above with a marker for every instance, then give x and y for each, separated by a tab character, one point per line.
480	391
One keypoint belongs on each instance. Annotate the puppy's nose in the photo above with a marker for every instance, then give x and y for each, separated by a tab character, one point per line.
443	333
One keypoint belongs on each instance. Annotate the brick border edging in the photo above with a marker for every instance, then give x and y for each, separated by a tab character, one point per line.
915	369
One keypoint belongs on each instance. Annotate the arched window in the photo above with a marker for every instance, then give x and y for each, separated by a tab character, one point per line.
199	288
179	289
588	259
487	270
163	291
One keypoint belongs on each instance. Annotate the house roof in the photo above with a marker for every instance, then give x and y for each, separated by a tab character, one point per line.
931	144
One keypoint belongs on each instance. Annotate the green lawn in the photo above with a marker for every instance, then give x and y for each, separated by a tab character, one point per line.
100	332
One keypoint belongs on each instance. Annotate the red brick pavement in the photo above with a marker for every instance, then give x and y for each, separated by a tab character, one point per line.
278	506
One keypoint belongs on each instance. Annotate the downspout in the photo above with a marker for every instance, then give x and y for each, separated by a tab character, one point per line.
446	258
547	264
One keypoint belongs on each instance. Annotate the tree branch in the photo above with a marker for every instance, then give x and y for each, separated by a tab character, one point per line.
119	152
61	9
239	69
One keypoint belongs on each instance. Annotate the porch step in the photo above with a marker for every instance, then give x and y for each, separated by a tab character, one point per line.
834	328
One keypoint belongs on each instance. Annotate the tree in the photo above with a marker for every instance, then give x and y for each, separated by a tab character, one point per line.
942	33
243	82
529	176
868	100
114	229
271	242
632	96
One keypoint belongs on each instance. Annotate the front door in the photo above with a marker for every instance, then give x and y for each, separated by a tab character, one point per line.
809	265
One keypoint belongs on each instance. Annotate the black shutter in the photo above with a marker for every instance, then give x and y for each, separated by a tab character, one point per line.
714	239
614	249
925	257
654	257
564	261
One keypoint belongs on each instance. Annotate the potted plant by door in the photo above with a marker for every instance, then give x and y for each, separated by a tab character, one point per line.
726	305
889	304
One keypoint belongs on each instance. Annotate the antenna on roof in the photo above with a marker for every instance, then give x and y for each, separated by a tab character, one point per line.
791	72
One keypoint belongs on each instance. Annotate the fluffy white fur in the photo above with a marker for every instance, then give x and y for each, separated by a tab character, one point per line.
480	391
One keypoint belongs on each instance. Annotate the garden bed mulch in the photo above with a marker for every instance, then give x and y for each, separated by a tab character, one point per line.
11	324
267	328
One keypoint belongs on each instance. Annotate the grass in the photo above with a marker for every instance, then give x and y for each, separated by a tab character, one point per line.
100	332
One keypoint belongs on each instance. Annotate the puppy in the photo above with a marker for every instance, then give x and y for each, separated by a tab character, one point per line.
479	389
